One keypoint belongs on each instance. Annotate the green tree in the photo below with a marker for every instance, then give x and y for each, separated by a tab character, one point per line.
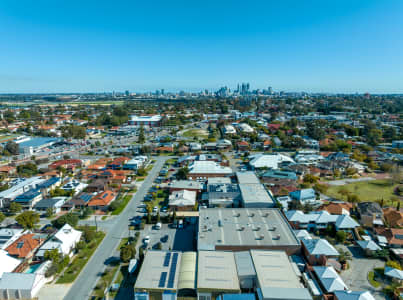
309	178
88	234
125	253
2	217
68	218
27	219
53	255
14	208
341	236
49	212
12	148
394	264
343	191
73	131
182	173
142	138
321	188
344	256
352	198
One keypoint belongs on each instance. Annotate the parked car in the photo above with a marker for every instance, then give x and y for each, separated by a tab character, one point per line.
146	240
158	226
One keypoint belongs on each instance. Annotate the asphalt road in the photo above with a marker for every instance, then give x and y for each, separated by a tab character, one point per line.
84	284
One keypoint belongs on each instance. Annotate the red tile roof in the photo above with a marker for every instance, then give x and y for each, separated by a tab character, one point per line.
103	199
24	246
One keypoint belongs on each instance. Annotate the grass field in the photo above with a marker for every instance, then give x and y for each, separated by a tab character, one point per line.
373	190
196	133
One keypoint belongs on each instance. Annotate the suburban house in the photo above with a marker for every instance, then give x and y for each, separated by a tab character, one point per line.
68	164
371	214
102	200
29	198
54	203
318	251
96	186
274	176
118	163
64	240
8	236
304	196
7	170
329	280
25	246
393	236
19	188
368	246
393	217
395	274
353	295
337	208
319	220
135	163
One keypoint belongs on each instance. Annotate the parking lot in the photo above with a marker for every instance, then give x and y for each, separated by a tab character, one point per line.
170	238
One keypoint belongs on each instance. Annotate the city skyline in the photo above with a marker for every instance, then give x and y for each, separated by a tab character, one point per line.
312	46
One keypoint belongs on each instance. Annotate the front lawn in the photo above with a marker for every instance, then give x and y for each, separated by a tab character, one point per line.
373	190
122	202
72	271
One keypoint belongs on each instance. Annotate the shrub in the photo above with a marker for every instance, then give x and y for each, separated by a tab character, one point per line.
341	236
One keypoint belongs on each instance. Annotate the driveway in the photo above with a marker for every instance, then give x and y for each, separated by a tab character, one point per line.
84	284
356	276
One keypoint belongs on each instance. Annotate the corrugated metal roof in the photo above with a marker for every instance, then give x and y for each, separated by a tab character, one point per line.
187	271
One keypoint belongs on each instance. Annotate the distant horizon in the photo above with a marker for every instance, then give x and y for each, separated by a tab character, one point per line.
314	46
198	90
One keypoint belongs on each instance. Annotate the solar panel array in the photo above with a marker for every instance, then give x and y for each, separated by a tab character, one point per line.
163	278
172	271
167	259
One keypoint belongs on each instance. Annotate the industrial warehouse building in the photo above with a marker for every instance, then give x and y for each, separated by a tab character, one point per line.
238	229
209	275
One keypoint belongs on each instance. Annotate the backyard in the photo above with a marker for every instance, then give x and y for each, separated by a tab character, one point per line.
373	190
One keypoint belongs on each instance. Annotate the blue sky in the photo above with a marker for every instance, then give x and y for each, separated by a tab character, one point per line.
318	46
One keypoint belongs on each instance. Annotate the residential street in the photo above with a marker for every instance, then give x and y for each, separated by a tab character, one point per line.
84	284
